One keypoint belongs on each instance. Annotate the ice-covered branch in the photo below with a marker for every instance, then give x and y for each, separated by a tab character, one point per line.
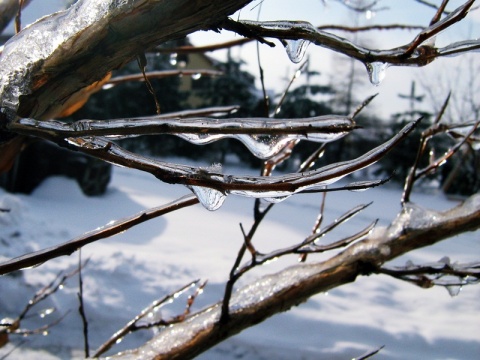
263	136
452	276
133	325
211	186
116	227
48	62
293	32
412	229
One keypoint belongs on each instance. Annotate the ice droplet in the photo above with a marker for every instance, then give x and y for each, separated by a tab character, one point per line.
196	76
211	199
376	71
173	59
296	49
453	290
46	312
444	260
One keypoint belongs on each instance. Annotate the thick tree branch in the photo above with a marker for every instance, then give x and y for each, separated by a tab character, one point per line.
412	229
75	48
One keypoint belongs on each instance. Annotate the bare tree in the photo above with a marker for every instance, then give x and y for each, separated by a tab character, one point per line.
50	68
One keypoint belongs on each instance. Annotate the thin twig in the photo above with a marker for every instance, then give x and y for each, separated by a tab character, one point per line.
142	64
438	15
409	54
132	324
426	135
152	125
254	185
81	307
440	161
369	354
318	223
67	248
18	17
160	75
306	246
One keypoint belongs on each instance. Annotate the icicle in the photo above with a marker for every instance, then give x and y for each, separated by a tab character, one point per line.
318	129
262	146
453	290
376	71
173	59
46	312
210	199
296	49
196	76
276	200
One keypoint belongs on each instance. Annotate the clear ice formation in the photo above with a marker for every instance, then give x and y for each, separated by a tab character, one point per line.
25	52
270	188
296	49
202	131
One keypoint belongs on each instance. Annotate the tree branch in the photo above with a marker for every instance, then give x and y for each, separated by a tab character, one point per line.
39	257
87	41
413	53
279	292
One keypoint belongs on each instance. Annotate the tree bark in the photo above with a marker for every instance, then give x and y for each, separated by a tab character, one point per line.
44	65
412	229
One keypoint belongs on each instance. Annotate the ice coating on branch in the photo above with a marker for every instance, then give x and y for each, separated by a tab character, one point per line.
460	47
262	146
211	199
412	216
296	49
246	297
25	52
415	217
376	72
272	188
207	130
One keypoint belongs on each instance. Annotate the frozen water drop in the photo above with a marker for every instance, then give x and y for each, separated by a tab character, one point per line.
409	264
376	71
211	199
276	199
369	14
173	59
454	290
444	260
196	76
46	312
296	49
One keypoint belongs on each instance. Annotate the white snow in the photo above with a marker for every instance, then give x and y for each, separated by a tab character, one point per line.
127	272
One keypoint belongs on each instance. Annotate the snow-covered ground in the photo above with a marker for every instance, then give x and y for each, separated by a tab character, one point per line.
129	271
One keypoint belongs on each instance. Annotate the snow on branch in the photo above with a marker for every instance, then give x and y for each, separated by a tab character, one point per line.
412	229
